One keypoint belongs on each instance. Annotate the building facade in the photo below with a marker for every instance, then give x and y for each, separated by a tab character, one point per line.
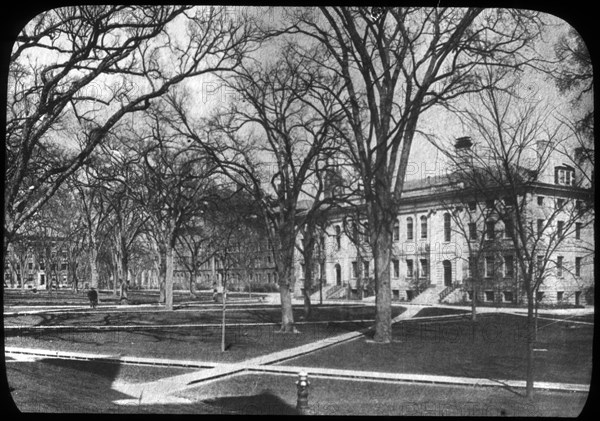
447	246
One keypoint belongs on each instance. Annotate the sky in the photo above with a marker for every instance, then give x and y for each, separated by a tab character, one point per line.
210	94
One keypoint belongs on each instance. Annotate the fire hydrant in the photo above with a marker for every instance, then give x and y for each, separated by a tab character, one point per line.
302	384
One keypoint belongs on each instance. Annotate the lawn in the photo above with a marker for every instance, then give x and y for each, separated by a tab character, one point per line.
70	297
139	333
266	394
65	386
54	385
494	348
203	314
440	311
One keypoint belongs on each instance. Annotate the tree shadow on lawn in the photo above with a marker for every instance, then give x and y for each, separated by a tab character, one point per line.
58	385
265	403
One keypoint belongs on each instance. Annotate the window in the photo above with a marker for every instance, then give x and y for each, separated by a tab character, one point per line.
424	268
409	228
447	228
396	267
540	200
472	231
396	232
559	265
508	296
489	266
409	268
338	237
540	227
578	266
578	230
423	226
489	230
559	295
366	269
472	206
42	266
564	175
560	226
509	266
63	266
560	203
489	296
539	296
30	265
355	269
508	228
540	263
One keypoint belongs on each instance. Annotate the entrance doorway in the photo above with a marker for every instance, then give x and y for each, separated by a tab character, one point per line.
447	273
338	274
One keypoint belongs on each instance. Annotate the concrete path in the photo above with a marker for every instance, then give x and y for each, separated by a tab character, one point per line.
413	378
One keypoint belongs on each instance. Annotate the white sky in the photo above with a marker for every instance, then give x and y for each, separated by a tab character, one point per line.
210	94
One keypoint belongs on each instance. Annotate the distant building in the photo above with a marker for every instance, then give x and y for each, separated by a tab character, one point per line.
36	262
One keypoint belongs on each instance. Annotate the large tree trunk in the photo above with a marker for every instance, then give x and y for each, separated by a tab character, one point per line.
307	305
22	264
93	259
286	279
169	277
530	344
474	285
287	315
381	243
125	277
116	273
308	249
161	272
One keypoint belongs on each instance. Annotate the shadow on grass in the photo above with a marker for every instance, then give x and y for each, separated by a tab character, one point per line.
265	403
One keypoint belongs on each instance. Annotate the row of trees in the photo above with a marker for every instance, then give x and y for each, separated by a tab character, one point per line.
347	88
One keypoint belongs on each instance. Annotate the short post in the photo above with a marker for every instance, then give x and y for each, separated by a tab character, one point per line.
302	384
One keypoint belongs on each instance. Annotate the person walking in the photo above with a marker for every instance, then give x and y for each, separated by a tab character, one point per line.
93	297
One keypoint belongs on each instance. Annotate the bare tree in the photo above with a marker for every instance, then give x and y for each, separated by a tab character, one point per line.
268	142
176	180
397	63
514	160
76	72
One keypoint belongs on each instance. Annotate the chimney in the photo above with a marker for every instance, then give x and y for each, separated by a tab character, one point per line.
463	148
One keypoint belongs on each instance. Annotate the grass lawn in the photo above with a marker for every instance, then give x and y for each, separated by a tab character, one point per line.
196	315
70	297
186	342
54	385
65	386
269	394
492	348
440	311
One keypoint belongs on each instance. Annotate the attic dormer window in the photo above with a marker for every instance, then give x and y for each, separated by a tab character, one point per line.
564	175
